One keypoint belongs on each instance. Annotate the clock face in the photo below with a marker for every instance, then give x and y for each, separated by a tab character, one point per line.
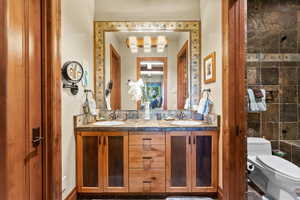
73	71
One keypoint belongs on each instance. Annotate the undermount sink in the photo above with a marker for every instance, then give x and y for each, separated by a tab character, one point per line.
109	123
186	123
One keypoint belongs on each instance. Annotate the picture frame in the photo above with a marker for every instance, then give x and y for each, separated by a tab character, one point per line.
209	71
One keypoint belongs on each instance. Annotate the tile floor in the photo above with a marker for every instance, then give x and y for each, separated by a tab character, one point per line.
252	194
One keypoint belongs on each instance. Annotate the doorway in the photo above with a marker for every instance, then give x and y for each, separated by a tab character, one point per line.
115	77
234	13
182	76
160	87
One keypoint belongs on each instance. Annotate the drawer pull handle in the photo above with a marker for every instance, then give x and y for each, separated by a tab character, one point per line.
147	182
147	144
147	186
147	158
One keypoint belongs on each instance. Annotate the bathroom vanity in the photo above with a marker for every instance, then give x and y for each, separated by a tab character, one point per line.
146	157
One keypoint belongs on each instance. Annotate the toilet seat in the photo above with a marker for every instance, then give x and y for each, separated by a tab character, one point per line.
281	166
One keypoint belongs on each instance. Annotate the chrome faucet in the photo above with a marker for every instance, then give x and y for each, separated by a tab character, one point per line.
181	115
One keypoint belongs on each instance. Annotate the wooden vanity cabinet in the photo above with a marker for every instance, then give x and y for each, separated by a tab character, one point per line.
178	161
191	161
89	162
204	161
102	162
147	162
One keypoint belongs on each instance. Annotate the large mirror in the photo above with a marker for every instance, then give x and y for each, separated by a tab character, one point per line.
165	55
160	59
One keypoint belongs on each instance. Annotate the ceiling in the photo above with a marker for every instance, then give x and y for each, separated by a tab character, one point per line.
122	36
125	10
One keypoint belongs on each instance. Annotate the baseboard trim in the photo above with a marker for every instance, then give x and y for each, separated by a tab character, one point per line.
72	195
220	193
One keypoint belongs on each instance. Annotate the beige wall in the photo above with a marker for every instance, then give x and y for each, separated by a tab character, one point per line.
211	33
131	10
76	44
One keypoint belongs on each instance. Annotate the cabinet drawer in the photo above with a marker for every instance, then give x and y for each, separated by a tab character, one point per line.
146	180
146	139
141	157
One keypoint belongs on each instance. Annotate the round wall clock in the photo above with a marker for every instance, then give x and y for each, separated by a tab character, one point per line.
72	72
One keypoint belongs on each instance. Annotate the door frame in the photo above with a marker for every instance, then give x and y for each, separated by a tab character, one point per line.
51	29
114	52
184	51
165	76
233	125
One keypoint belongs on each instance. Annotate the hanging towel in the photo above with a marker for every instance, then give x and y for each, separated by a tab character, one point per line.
92	105
187	103
252	105
204	106
262	106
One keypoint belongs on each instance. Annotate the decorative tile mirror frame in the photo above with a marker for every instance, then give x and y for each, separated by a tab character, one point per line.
101	27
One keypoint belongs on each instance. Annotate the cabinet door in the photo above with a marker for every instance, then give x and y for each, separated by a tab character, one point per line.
89	163
204	161
115	162
178	152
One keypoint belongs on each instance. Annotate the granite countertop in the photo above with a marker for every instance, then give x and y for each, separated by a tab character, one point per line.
146	125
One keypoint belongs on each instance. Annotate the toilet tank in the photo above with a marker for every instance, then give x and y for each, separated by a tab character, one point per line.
258	146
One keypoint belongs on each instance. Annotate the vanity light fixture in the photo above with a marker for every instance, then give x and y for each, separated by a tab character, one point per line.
152	63
133	44
161	43
152	72
147	44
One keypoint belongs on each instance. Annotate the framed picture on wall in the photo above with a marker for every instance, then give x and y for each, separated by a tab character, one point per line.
210	68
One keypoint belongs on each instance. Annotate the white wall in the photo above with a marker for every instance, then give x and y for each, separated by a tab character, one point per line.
76	44
211	27
120	10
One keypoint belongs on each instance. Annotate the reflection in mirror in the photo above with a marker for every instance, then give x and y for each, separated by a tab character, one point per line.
154	72
160	59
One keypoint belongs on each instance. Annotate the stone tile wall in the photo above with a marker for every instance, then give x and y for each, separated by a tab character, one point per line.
273	63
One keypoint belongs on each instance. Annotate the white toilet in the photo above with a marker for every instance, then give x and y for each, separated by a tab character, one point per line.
278	178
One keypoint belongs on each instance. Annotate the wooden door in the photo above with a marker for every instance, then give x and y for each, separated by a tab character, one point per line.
89	162
34	159
178	166
115	76
115	167
182	76
204	161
